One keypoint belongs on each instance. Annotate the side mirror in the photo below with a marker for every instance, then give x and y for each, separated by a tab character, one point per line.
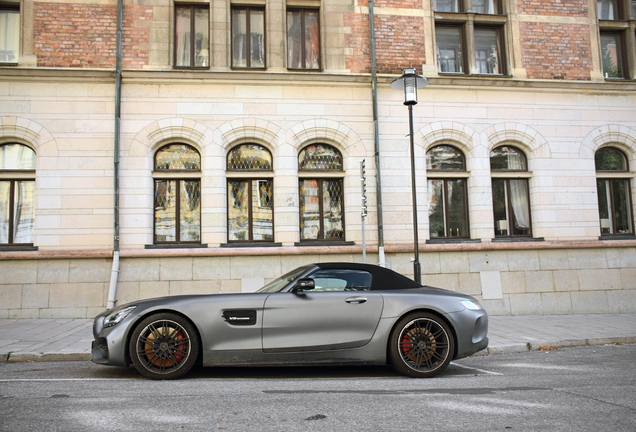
305	284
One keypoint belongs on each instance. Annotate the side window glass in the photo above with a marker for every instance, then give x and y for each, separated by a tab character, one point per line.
341	280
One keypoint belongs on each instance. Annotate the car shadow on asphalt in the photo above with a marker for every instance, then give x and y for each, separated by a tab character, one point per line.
300	373
88	370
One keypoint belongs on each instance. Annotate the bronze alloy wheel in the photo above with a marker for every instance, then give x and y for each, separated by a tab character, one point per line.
421	345
164	346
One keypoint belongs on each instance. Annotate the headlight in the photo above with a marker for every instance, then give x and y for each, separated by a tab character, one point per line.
117	316
471	305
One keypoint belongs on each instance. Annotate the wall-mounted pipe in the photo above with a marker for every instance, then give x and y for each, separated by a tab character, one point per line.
376	138
114	274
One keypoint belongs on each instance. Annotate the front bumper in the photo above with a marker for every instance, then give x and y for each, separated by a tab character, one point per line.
110	344
472	331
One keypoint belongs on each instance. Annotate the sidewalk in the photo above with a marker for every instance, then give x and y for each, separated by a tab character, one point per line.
70	339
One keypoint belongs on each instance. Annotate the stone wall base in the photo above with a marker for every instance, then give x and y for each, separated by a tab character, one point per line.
506	282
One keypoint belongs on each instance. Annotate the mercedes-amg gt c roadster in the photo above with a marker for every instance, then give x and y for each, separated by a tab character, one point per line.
319	314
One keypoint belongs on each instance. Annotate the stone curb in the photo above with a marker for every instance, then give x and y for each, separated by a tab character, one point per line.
495	350
566	343
43	357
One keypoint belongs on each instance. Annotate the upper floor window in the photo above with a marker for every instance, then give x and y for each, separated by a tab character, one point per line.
478	6
615	37
447	197
612	54
250	194
177	194
446	5
303	39
321	193
450	49
192	36
614	192
510	192
607	9
248	37
491	7
17	194
470	43
9	34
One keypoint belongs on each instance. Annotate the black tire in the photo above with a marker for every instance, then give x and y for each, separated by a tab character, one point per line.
421	345
164	346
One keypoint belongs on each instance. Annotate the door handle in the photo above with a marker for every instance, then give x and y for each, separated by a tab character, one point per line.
357	300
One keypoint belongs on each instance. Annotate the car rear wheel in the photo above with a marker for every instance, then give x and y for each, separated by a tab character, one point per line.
164	346
421	345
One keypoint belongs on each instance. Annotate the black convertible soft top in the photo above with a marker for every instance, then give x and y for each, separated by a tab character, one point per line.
382	278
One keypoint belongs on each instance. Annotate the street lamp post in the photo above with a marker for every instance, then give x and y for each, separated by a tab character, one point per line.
410	82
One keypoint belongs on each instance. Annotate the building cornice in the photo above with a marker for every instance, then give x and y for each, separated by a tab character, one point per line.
56	75
316	250
324	78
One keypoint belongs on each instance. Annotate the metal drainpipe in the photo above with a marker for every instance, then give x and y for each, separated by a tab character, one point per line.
376	138
112	289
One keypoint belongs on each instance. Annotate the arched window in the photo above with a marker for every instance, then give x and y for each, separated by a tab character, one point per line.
510	193
321	198
250	194
177	176
614	193
17	194
447	197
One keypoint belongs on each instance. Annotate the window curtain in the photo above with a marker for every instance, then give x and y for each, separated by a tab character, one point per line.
23	210
257	38
294	60
183	37
239	38
520	207
5	191
312	40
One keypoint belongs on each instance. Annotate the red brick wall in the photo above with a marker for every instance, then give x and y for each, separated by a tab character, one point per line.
358	41
573	8
85	36
133	56
556	51
396	48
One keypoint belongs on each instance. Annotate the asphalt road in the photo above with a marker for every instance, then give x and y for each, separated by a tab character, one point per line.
577	389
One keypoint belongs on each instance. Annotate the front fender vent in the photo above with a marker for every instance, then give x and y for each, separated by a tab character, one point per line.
240	317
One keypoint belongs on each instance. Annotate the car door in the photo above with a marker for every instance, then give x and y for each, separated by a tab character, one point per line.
340	312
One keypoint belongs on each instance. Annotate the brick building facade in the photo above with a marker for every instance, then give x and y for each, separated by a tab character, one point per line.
243	123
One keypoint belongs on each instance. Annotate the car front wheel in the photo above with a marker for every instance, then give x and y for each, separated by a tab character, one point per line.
421	345
164	346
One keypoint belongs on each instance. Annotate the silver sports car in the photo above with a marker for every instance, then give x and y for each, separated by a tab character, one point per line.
319	314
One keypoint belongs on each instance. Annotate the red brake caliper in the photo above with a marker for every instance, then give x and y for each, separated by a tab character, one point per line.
406	345
181	347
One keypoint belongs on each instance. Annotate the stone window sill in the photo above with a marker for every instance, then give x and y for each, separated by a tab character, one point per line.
452	240
517	239
176	246
250	245
18	248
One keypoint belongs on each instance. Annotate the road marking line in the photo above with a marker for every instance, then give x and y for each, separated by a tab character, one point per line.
62	379
477	369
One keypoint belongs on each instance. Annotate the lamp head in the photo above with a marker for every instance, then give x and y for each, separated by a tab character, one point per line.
409	82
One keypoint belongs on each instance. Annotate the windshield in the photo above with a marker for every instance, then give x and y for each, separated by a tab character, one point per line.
278	284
